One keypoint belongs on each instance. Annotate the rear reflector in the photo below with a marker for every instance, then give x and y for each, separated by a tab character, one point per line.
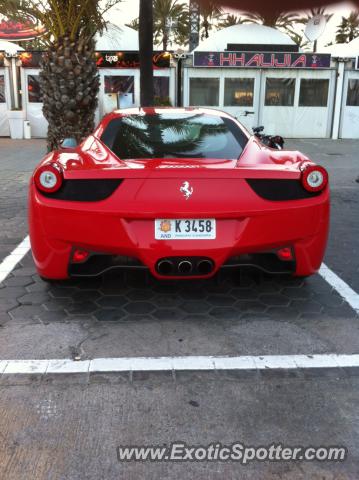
80	256
285	254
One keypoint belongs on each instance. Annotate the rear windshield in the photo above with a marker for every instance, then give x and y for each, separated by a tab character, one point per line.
169	135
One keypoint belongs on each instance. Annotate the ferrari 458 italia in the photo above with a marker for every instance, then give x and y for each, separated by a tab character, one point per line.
180	192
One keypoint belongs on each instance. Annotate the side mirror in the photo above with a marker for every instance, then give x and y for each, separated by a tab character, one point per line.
69	143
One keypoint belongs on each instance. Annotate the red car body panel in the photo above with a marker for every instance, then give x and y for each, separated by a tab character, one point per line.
123	224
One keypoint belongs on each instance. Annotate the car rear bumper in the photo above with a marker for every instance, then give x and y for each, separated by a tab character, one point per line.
57	227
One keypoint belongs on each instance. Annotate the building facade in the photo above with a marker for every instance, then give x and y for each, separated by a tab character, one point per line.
256	73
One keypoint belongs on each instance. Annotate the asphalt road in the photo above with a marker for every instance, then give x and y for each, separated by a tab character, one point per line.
68	426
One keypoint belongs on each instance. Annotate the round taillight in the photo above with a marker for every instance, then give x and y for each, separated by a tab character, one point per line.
314	178
48	178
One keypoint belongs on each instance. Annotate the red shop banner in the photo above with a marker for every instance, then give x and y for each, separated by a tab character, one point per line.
17	31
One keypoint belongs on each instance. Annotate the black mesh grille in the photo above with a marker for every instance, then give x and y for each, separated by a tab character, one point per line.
85	190
98	264
280	190
267	262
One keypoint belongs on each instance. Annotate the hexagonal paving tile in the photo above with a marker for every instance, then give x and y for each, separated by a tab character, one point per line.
274	299
225	312
196	307
112	301
168	314
140	308
110	315
81	308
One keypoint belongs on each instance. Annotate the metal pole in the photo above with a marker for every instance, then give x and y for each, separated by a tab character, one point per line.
194	12
338	99
15	83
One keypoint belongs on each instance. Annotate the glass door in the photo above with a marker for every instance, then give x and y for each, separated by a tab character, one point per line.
32	101
350	107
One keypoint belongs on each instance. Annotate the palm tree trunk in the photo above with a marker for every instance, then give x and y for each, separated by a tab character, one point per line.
70	85
146	52
206	28
165	42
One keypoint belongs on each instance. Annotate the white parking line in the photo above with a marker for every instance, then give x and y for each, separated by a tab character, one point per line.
346	292
170	364
10	262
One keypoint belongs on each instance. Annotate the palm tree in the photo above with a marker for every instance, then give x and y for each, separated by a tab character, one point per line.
133	24
69	77
348	28
171	18
298	39
274	19
170	22
231	20
211	13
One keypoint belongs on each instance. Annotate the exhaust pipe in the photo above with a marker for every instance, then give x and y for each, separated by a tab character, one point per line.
165	267
205	267
185	267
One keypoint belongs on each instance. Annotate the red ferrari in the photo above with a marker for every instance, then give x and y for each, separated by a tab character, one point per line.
180	192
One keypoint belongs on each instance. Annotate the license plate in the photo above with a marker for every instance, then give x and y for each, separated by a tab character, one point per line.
185	229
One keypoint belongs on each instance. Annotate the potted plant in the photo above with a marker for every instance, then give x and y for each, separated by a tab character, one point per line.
16	117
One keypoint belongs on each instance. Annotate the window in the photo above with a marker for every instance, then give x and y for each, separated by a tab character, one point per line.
238	92
2	89
280	92
313	92
170	135
119	84
353	93
204	92
162	86
34	90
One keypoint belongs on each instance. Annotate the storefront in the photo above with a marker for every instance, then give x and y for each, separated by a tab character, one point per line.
267	82
253	72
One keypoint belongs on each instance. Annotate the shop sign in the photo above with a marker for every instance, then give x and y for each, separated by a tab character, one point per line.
118	60
261	60
130	60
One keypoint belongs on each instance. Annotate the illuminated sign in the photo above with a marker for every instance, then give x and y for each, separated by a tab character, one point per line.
13	30
261	60
130	60
104	59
